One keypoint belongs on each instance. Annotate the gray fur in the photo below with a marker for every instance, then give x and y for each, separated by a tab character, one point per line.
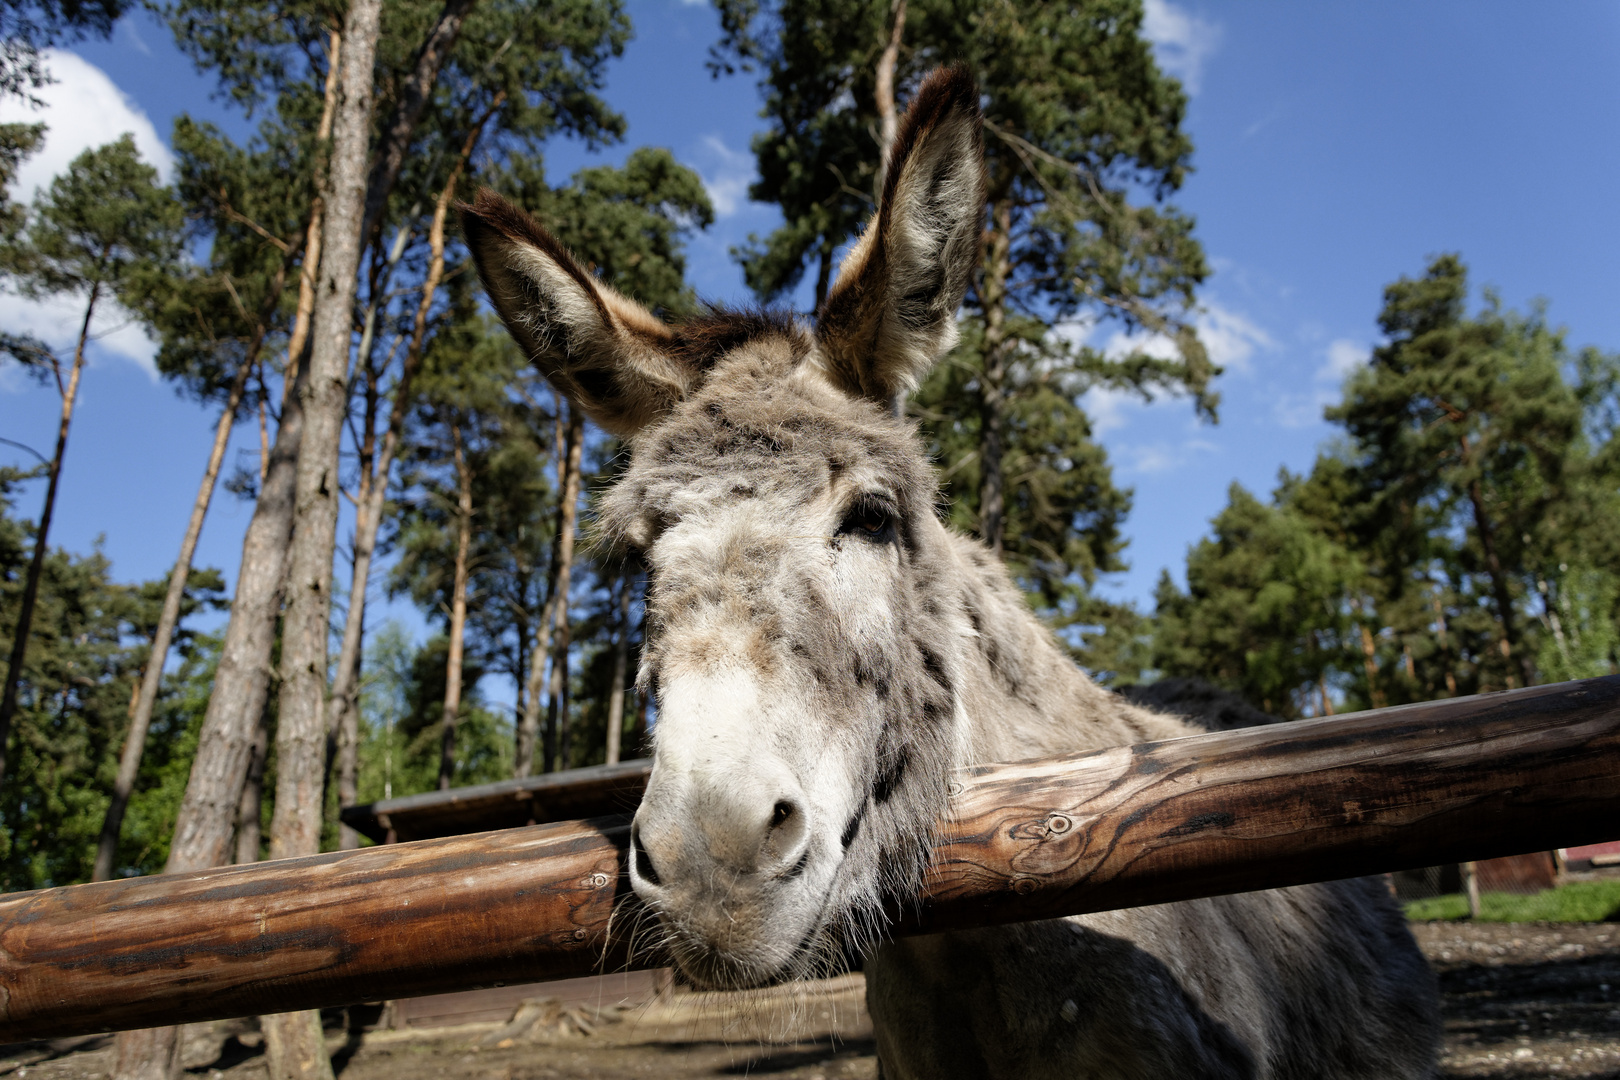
825	652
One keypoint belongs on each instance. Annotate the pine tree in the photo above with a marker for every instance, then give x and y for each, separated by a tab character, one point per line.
1467	427
1080	123
1264	610
100	231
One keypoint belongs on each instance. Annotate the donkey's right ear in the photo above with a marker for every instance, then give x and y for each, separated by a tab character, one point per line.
603	351
893	311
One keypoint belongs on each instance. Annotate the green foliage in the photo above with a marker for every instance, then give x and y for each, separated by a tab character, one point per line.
626	223
1065	517
1084	146
105	223
1578	617
86	651
1080	124
171	744
1456	540
28	26
17	142
1579	901
1264	610
401	697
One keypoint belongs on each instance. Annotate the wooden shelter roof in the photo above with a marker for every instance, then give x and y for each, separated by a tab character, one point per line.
574	793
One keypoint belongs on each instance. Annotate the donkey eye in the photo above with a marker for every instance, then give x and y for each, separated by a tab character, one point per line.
869	517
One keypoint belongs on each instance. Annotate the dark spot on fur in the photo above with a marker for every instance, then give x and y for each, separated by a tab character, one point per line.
888	780
853	827
933	665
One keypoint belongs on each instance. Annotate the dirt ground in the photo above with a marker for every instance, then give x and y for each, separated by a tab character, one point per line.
1521	1001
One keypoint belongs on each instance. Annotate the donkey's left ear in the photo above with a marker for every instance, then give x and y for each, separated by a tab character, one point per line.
893	311
603	351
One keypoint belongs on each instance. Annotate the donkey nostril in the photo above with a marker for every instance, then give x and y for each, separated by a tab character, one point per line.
782	812
641	861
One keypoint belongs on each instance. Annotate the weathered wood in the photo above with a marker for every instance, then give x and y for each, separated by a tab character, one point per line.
1225	812
520	905
1260	808
597	791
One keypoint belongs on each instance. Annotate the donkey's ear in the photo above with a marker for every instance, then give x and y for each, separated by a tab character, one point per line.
893	311
603	351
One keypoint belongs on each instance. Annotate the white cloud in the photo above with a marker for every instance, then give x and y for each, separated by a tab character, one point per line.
1343	357
1181	40
134	36
1158	457
56	322
1230	338
1296	410
83	108
728	179
1299	410
1109	409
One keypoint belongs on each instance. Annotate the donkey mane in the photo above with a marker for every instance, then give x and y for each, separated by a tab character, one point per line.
717	329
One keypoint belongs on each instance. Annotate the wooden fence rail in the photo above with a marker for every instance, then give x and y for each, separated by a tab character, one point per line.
1389	789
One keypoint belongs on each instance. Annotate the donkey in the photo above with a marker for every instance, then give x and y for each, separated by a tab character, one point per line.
824	652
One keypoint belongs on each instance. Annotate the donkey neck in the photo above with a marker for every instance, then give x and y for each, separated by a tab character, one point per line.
1020	694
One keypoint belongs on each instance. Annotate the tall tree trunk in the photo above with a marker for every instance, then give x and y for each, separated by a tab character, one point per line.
369	511
458	613
409	102
208	811
992	398
621	664
219	771
823	273
293	1041
264	435
1511	644
251	808
36	566
528	735
638	730
129	763
147	1054
1369	664
558	732
888	115
316	229
1445	647
343	725
563	558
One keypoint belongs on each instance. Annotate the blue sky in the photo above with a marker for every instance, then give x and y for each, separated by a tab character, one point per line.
1337	147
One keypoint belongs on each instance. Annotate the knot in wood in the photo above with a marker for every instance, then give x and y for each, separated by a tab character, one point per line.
596	881
1058	824
1024	885
953	789
579	935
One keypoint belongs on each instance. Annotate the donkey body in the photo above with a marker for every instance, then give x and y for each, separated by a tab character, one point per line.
825	652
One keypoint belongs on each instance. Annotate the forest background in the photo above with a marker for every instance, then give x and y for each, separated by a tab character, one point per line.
1132	379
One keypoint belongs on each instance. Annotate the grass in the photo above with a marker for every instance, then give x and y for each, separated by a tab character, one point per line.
1581	901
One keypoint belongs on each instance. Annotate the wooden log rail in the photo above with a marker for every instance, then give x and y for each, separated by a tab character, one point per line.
1417	785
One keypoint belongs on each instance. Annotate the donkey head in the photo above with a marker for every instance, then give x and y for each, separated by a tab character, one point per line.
800	638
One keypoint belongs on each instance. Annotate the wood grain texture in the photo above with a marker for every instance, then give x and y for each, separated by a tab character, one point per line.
596	791
1287	804
520	905
1226	812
